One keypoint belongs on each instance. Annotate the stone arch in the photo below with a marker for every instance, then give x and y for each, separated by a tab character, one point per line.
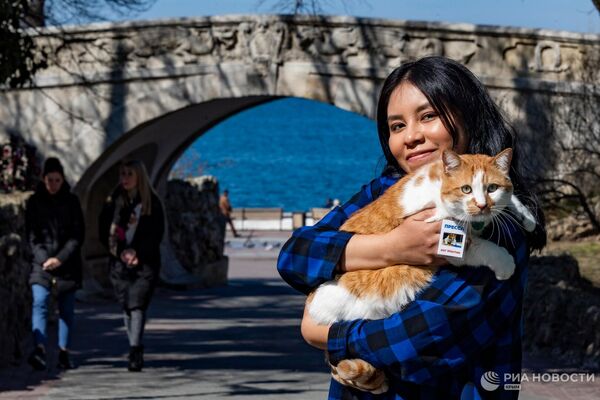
158	143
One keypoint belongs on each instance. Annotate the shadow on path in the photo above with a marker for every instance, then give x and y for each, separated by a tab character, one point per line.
242	339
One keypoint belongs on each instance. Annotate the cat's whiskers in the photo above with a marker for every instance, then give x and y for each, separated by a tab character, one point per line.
502	227
494	217
499	227
509	218
508	229
507	214
464	220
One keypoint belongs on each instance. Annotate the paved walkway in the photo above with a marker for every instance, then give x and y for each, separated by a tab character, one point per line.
240	342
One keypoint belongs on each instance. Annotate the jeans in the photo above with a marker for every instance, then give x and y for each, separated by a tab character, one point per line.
135	320
66	308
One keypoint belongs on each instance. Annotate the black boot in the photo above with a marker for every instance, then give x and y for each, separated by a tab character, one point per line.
37	359
64	362
136	358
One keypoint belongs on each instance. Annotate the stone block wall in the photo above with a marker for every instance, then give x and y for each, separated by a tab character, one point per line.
15	294
197	228
562	312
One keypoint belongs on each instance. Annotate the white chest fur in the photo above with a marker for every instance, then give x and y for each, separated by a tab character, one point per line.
421	192
333	302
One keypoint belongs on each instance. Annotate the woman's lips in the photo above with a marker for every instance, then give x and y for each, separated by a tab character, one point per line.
419	157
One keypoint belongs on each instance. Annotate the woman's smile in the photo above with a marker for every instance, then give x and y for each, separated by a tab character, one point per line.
421	157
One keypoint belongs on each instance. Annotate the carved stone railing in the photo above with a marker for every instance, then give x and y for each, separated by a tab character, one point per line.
507	57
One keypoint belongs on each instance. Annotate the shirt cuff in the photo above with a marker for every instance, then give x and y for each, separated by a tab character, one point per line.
337	340
333	253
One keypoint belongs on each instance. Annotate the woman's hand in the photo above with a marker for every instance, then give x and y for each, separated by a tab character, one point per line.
51	263
314	334
129	257
415	242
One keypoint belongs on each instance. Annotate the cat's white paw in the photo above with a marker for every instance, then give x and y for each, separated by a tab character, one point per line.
529	224
438	216
505	273
503	265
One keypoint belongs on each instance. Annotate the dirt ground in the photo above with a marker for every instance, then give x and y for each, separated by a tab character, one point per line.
587	253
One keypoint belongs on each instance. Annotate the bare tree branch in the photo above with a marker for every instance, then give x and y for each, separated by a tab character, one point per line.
310	7
581	197
20	57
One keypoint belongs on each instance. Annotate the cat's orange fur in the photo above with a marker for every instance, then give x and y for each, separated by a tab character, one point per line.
385	214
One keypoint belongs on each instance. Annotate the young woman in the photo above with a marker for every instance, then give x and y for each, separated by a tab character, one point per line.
132	226
466	322
55	230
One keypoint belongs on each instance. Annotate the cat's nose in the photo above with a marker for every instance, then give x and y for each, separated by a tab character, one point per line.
481	206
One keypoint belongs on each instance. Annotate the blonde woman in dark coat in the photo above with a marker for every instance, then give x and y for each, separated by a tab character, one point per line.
132	226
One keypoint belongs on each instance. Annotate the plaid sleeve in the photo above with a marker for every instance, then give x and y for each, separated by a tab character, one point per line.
310	256
460	314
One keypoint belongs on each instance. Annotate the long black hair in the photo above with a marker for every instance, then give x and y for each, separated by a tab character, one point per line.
463	103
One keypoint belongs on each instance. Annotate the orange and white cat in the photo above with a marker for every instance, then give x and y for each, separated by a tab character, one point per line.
472	189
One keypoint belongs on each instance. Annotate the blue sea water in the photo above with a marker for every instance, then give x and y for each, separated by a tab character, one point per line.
290	153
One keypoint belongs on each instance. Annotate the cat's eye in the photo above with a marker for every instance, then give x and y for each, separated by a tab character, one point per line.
492	188
466	189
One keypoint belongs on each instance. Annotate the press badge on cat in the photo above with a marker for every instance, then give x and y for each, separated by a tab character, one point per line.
453	239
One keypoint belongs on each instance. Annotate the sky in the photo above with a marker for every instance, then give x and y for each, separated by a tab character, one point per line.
567	15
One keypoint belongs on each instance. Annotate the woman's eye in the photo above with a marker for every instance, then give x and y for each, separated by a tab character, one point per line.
429	116
492	188
466	189
396	127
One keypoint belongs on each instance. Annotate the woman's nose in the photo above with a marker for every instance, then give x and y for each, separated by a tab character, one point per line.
414	136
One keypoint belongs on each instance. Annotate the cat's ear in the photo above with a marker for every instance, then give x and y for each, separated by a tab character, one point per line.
503	159
451	160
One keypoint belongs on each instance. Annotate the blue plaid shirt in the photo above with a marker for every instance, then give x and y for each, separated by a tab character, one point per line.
464	324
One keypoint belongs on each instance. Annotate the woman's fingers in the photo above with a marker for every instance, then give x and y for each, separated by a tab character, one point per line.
415	241
51	263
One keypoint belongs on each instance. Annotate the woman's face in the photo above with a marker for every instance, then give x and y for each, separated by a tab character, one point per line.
417	134
129	178
53	182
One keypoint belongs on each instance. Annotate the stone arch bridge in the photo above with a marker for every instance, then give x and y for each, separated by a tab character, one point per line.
149	89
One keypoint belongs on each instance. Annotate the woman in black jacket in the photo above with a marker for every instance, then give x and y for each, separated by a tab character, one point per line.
55	230
132	226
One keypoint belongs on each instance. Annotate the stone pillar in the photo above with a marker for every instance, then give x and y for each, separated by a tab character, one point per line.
15	294
197	232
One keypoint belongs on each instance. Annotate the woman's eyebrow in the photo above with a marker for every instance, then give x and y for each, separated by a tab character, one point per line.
423	106
420	108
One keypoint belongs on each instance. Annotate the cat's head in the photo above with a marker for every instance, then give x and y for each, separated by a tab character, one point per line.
476	187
